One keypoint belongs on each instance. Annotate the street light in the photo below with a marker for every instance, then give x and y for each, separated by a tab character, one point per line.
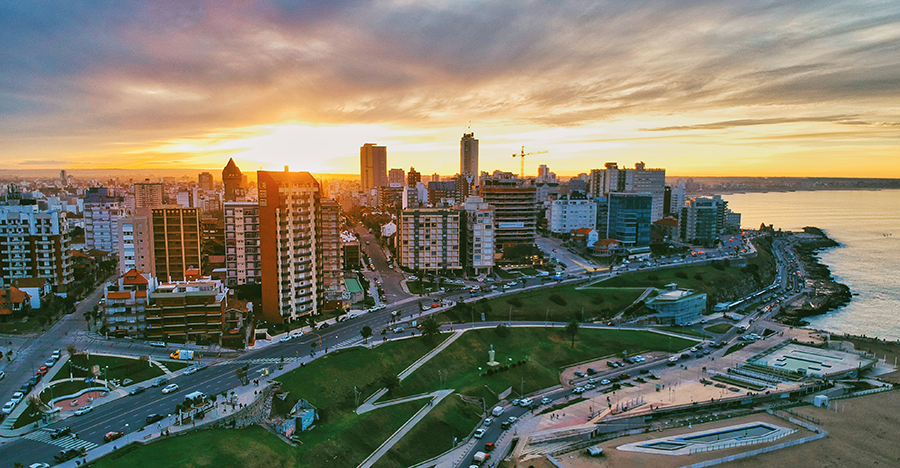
126	433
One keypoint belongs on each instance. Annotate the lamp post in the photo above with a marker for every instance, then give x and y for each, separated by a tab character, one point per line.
126	433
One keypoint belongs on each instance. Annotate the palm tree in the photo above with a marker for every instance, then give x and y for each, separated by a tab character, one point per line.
572	328
430	328
366	332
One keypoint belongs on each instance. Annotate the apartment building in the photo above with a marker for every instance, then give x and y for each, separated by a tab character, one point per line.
242	248
329	249
515	209
124	304
135	233
638	180
479	235
702	220
429	239
34	243
372	166
176	241
192	310
569	213
149	194
101	218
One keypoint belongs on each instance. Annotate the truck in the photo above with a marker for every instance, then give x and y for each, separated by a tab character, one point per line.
481	457
183	354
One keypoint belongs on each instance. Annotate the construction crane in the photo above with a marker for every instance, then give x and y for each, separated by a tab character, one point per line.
522	155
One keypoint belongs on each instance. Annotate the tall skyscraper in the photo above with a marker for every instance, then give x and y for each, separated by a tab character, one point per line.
205	181
628	218
330	250
480	238
63	178
148	194
372	166
429	239
468	155
233	180
176	241
299	243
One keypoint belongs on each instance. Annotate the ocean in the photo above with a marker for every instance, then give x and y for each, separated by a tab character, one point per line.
867	225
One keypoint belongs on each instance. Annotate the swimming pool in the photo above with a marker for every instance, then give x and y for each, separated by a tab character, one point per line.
738	433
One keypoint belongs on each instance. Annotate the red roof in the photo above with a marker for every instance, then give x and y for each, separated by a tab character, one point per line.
583	231
12	295
132	277
118	295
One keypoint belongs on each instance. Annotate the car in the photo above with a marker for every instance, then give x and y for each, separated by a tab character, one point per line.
578	390
616	364
17	397
589	386
694	349
160	382
685	356
190	370
2	374
66	455
512	419
324	325
38	465
152	418
517	402
605	382
342	318
497	411
526	402
113	435
579	374
8	407
591	371
480	433
285	338
137	391
640	358
624	376
32	382
84	410
505	425
56	354
50	362
488	446
157	344
545	401
351	316
644	371
296	334
413	278
170	388
399	329
488	421
611	364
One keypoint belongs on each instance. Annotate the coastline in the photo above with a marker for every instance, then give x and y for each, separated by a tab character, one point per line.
823	293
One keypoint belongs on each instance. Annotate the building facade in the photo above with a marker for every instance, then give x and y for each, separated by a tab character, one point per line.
468	155
678	306
176	241
136	242
479	235
569	213
443	192
329	249
149	194
397	176
101	217
702	220
35	244
242	243
515	209
372	166
638	180
429	239
124	304
233	180
629	218
192	310
205	181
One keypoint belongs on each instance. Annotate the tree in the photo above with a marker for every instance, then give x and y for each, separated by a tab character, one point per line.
430	328
72	350
366	332
572	328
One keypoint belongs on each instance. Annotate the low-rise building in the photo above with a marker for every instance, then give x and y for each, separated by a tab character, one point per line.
570	213
188	310
125	302
678	306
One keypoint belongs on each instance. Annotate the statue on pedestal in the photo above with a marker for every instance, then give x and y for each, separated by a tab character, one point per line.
491	361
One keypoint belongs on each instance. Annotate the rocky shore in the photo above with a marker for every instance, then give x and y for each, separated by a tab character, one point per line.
824	293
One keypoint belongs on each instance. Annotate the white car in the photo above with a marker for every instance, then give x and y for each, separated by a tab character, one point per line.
498	410
526	402
296	334
189	370
39	465
285	338
488	421
2	374
546	400
17	397
578	390
480	433
170	388
85	410
8	407
157	344
605	382
351	316
56	354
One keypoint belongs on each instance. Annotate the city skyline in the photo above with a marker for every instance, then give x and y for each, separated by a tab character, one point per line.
700	88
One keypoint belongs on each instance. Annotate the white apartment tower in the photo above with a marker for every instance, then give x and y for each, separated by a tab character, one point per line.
480	235
429	239
34	244
242	255
568	214
612	179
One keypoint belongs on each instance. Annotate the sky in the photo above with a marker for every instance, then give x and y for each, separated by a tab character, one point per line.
704	88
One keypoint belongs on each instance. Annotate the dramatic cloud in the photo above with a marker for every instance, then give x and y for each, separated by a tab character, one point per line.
103	78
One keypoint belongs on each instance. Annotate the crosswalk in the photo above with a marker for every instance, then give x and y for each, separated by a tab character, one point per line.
66	442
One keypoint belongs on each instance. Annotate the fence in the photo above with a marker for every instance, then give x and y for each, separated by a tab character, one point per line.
864	392
741	443
753	453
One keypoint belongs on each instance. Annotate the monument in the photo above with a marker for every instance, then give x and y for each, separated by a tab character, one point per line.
491	361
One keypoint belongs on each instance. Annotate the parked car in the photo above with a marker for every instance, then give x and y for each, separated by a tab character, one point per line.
152	418
545	401
579	374
58	432
591	371
50	362
480	433
488	421
66	455
56	354
113	435
497	411
17	397
517	401
578	390
137	391
8	407
605	382
170	388
526	402
84	410
285	338
2	374
157	344
160	382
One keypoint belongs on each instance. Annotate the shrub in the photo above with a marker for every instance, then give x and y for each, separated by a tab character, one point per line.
501	330
557	299
681	274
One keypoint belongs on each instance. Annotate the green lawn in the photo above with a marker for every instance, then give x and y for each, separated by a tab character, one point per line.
729	282
111	367
736	347
176	365
434	434
536	305
546	351
64	388
30	415
719	328
252	447
18	326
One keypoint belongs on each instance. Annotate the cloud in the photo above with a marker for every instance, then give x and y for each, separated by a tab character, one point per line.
44	162
841	119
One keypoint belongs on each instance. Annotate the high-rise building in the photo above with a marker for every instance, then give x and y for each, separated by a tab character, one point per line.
442	192
35	244
429	239
628	219
205	181
637	180
63	178
372	166
329	249
176	241
435	177
397	176
390	197
148	194
294	243
468	155
242	248
702	220
569	213
136	242
479	235
101	217
413	177
515	209
233	180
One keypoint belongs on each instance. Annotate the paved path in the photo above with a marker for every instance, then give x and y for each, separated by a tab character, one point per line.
369	405
378	453
434	352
